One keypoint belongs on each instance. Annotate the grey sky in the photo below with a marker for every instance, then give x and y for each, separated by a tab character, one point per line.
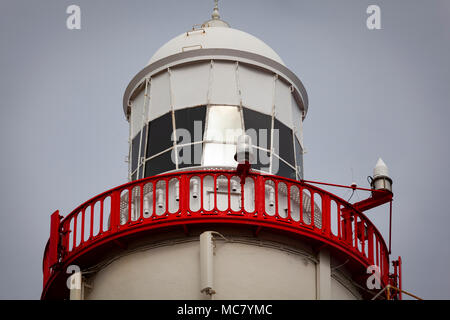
372	93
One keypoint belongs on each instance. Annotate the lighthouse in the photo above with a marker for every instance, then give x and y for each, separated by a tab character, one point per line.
216	206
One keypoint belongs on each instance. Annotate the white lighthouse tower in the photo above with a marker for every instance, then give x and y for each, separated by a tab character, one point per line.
215	206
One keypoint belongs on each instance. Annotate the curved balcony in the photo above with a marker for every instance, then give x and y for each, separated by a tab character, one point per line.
215	196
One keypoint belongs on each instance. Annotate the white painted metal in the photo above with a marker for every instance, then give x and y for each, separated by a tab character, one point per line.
283	100
190	85
137	108
207	263
243	269
380	169
323	273
159	95
256	89
224	86
297	119
216	37
76	286
381	179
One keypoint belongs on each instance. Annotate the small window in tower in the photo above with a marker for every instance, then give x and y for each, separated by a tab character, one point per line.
159	135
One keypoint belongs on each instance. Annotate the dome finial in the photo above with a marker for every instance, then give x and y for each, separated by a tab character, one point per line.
215	15
215	21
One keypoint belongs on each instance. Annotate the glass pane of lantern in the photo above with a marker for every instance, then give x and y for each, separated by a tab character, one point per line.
160	134
224	124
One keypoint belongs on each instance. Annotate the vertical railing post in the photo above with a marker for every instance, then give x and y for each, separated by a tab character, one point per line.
300	191
83	213
355	231
167	180
102	207
347	225
370	244
184	194
260	195
53	247
400	276
386	265
311	201
129	204
91	227
289	213
277	214
141	201
115	210
326	214
65	241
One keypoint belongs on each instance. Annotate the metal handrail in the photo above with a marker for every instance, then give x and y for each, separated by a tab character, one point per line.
355	235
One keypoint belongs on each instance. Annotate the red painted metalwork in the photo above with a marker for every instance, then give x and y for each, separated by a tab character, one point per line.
354	235
396	277
377	199
54	239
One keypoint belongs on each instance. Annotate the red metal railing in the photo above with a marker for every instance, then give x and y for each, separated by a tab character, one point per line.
214	196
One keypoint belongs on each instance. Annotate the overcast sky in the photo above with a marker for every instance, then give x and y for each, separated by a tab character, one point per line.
372	93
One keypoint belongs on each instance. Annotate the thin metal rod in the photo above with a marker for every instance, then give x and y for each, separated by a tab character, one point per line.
405	292
390	225
341	186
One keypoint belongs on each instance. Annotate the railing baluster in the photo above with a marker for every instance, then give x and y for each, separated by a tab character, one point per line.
311	201
141	201
91	227
363	237
184	194
370	243
115	210
74	238
326	212
260	197
154	198
130	201
167	196
215	192
202	203
288	186
277	213
338	217
229	193
102	206
243	197
301	205
82	226
355	230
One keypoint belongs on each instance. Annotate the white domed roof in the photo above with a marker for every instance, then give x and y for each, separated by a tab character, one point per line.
217	38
